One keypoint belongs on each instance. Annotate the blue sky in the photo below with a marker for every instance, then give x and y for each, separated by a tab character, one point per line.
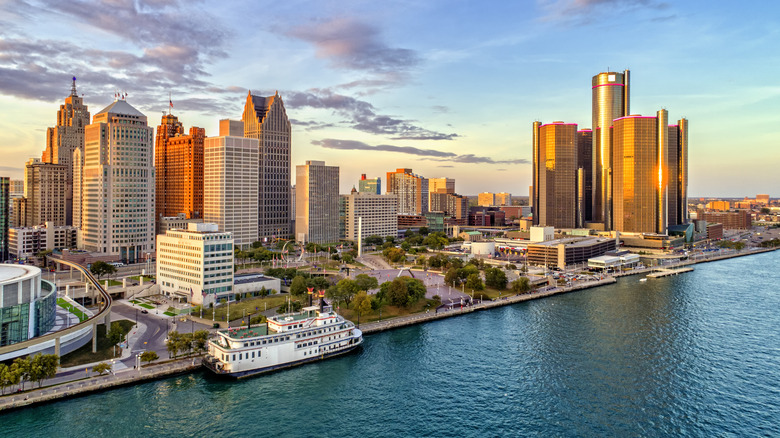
448	88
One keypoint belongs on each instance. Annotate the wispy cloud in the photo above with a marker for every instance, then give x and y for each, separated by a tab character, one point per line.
583	11
426	154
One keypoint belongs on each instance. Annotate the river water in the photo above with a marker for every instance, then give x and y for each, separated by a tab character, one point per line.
692	355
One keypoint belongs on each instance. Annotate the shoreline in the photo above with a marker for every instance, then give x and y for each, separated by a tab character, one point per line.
84	387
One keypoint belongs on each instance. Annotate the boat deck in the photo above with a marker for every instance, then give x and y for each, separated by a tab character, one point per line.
244	332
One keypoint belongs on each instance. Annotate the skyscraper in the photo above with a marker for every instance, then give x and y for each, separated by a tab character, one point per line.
641	173
317	198
63	139
555	174
610	101
265	119
230	168
45	192
585	174
678	173
5	202
411	190
178	161
118	184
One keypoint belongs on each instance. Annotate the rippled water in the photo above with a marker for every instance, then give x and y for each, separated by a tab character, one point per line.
691	355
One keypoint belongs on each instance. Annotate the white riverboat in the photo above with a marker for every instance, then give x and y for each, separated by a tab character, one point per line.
314	333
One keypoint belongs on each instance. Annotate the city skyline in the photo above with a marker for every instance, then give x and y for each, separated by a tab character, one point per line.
390	82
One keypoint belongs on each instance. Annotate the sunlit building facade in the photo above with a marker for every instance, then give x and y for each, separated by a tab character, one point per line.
411	191
486	199
555	174
317	198
370	185
45	192
179	169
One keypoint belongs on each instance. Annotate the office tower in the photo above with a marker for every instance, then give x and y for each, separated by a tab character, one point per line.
378	212
195	263
265	119
641	173
410	189
610	101
63	139
18	213
585	164
372	185
117	215
178	162
452	205
555	173
5	198
439	185
317	199
231	169
486	199
503	198
45	192
678	173
78	185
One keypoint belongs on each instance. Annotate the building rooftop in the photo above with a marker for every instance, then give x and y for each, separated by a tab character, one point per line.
250	278
121	107
10	272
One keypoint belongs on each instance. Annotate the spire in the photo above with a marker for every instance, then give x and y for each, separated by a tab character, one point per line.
73	87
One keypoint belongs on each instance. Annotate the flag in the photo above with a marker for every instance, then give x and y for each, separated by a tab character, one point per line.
191	292
170	103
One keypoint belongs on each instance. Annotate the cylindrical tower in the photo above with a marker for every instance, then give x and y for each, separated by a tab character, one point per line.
610	101
663	177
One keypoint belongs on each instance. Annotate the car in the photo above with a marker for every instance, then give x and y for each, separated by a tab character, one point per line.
144	311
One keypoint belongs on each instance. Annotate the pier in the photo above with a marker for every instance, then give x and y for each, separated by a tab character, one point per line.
668	272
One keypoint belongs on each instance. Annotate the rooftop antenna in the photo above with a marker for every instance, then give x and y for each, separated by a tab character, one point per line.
73	88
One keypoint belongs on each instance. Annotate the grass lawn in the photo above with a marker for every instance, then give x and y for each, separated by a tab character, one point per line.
105	350
111	283
250	305
146	306
491	294
388	311
72	309
138	278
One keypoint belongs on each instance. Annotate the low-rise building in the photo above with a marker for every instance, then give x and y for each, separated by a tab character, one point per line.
562	252
178	222
27	304
731	220
29	241
196	264
254	283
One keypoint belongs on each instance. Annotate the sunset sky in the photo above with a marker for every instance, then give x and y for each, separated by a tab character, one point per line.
448	88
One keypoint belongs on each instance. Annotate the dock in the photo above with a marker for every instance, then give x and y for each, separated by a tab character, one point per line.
668	272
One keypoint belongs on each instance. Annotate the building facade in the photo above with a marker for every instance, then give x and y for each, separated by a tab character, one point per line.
178	161
45	193
585	175
27	304
410	189
731	220
29	241
452	205
486	199
65	138
5	220
370	185
195	264
265	120
503	199
378	215
118	184
317	202
231	170
555	174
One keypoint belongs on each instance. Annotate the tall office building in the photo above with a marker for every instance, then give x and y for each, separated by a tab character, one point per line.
610	101
378	213
555	175
678	173
410	189
5	220
178	162
317	199
486	199
503	199
118	184
641	173
64	138
45	192
585	175
265	119
370	185
231	168
78	184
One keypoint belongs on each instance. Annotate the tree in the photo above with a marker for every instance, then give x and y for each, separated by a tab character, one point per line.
466	271
394	255
23	369
416	288
149	357
436	240
345	290
298	286
390	239
495	278
521	285
102	368
115	334
362	303
474	282
9	375
424	231
451	277
43	255
397	292
406	246
101	268
43	366
200	340
172	344
366	282
374	240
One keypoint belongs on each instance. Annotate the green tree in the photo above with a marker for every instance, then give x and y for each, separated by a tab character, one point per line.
366	282
9	375
43	366
362	303
101	268
346	289
406	246
298	286
200	340
466	271
115	334
435	241
394	255
374	240
173	343
495	278
390	239
397	292
23	368
423	231
102	368
451	277
521	285
149	356
415	288
474	282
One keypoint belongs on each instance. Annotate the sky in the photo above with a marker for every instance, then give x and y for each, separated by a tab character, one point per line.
447	88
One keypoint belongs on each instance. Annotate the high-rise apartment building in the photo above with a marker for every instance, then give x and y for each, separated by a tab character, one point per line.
452	205
45	192
64	138
503	199
178	161
486	199
370	185
317	199
555	175
5	203
118	184
410	189
377	213
265	119
196	263
641	173
231	169
610	101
